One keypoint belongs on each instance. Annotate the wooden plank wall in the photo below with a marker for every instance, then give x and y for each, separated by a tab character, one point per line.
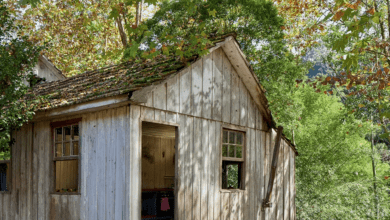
29	198
104	164
198	190
200	100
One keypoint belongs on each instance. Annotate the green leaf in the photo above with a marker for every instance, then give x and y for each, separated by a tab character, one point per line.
375	19
212	13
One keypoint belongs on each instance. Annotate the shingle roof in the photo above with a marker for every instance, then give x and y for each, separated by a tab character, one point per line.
109	81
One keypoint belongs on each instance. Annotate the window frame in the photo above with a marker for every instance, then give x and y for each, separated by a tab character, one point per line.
54	159
10	174
233	160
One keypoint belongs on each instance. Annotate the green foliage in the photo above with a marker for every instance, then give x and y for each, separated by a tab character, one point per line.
333	170
17	58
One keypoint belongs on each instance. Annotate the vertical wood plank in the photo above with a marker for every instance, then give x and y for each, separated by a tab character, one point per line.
181	149
207	88
74	207
127	159
252	185
292	184
41	175
48	186
159	170
213	158
185	79
248	176
189	166
197	84
240	205
233	206
160	96
196	200
226	89
15	208
173	98
225	206
279	215
29	176
149	99
243	104
55	211
256	174
286	182
251	112
260	173
109	127
65	215
264	165
6	207
235	99
23	180
217	175
135	157
258	119
274	191
204	169
293	191
120	172
217	84
101	164
85	126
92	161
35	174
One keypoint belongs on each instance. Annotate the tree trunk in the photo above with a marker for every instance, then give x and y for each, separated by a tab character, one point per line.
374	175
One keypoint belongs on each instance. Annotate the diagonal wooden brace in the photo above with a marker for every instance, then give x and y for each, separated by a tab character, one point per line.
275	157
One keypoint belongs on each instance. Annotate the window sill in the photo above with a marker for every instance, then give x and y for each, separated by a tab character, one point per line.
65	193
232	190
5	192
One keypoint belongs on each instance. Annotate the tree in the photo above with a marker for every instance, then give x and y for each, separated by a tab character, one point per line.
333	169
17	58
82	35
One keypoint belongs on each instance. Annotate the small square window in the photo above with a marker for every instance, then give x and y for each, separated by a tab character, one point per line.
232	159
66	157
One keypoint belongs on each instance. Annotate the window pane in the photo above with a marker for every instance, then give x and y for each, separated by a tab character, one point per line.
5	177
75	132
67	133
58	134
232	137
239	151
225	137
76	148
67	176
224	150
232	176
66	149
240	138
59	150
231	151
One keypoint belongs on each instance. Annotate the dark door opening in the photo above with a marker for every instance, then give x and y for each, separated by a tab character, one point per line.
158	171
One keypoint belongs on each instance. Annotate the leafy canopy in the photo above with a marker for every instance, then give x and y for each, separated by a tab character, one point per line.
17	58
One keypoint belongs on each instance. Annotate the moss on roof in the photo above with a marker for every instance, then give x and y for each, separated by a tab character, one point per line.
110	81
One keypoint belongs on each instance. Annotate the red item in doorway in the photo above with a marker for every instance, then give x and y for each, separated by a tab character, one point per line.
165	204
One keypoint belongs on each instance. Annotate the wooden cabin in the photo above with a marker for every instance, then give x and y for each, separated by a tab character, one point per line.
157	139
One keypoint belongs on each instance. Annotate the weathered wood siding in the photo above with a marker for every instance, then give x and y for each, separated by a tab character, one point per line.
201	100
104	173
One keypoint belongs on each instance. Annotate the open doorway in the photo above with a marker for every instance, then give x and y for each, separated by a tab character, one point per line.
158	171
